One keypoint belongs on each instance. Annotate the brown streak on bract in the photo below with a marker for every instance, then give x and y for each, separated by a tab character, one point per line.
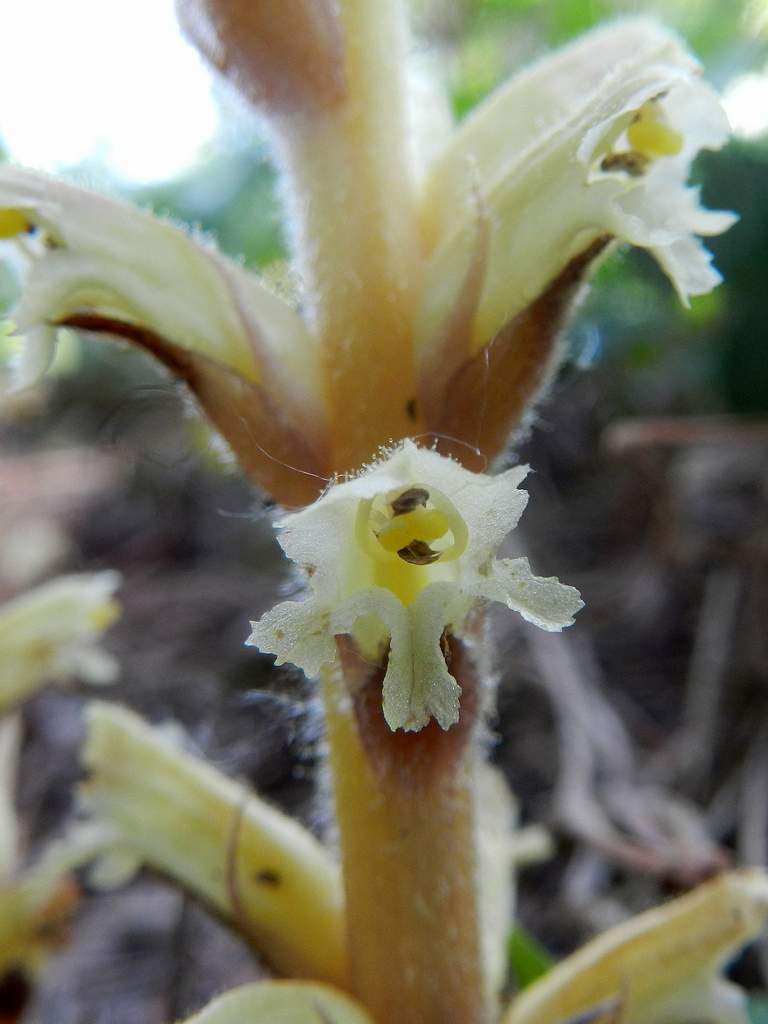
488	396
287	57
232	873
266	444
233	887
447	353
409	759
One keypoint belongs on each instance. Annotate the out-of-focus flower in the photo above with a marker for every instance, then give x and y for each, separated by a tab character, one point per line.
289	1002
36	900
52	633
397	557
434	279
256	867
661	966
106	268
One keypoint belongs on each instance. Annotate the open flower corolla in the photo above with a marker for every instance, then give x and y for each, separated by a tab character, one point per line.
398	557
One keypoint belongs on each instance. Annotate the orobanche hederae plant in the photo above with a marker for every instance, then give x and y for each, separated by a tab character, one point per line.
436	267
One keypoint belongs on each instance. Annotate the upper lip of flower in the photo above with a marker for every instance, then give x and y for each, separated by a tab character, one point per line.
591	145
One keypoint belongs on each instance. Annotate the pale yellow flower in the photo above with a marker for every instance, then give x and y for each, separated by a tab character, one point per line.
52	633
398	556
661	967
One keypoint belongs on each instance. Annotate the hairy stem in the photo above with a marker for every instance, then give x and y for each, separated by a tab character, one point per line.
348	185
406	811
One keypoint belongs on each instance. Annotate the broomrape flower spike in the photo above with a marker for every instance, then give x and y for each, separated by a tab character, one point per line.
398	557
415	312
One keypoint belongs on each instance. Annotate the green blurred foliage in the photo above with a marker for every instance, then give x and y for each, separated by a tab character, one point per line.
730	33
231	196
528	959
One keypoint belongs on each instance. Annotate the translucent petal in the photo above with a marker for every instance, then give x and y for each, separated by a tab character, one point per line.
533	156
104	256
546	602
296	631
491	506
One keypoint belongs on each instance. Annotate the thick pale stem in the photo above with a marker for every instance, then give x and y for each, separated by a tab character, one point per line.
349	187
405	804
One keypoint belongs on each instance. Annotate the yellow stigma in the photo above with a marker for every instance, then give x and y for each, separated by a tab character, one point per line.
422	524
650	136
405	534
12	223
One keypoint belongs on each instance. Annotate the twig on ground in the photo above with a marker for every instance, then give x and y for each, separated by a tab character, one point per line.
597	798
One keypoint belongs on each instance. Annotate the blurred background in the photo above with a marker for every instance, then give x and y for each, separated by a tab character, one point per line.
639	738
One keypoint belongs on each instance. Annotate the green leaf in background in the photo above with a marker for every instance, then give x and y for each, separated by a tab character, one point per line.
758	1009
529	960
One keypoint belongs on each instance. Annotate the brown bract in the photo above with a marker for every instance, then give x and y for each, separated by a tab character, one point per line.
266	444
410	760
286	55
474	402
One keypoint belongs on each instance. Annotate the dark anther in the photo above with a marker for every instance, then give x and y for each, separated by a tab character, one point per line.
409	500
632	163
418	552
410	408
